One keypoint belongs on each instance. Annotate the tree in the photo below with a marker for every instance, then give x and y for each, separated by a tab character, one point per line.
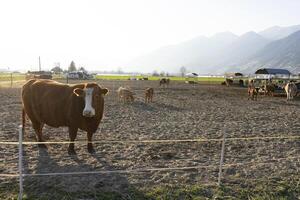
120	71
82	69
57	70
72	67
182	71
155	73
162	73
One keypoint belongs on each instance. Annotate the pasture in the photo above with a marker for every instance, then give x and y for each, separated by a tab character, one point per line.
6	78
254	168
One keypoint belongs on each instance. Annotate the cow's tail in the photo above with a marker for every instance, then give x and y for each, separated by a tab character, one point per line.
23	121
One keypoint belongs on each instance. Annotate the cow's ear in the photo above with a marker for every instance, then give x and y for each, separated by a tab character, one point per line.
78	92
104	91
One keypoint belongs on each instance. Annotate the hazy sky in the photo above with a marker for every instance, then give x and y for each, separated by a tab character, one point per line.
102	34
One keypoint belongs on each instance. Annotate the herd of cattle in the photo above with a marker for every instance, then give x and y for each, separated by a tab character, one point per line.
290	89
127	95
80	106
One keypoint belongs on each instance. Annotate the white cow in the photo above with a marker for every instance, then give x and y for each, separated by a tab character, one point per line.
291	90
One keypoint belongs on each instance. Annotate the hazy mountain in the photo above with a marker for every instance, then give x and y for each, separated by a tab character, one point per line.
225	52
284	53
199	50
277	32
240	50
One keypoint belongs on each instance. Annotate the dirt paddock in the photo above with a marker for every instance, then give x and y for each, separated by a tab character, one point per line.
180	111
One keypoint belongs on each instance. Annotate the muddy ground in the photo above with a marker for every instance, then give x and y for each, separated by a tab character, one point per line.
180	111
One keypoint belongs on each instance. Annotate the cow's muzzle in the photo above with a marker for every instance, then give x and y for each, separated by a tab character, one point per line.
88	113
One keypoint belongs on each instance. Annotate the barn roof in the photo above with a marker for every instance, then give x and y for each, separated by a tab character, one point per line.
273	71
192	74
233	74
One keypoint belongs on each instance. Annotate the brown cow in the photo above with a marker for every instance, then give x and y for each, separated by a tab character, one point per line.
77	106
164	81
269	89
228	82
125	94
149	95
252	93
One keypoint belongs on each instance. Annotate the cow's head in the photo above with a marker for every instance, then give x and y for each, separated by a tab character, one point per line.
93	98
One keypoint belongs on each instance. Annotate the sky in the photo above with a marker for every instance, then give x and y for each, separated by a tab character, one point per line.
106	34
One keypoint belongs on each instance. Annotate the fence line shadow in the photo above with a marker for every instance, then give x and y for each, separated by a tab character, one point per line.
89	186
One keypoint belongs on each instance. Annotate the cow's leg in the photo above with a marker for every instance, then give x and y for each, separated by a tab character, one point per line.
38	127
72	137
90	144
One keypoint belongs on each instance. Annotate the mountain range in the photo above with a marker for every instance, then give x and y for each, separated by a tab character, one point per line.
275	47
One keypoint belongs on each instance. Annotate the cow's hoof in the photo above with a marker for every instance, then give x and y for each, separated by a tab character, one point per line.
91	150
71	152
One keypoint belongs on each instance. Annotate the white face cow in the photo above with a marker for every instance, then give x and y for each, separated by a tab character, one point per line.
88	110
93	97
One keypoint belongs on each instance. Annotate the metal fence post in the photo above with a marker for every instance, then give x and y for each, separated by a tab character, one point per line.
222	158
20	163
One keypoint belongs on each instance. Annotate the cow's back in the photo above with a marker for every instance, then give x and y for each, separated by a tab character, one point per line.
47	101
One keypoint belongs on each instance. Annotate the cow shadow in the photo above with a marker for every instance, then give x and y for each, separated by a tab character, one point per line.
284	102
75	186
141	105
169	107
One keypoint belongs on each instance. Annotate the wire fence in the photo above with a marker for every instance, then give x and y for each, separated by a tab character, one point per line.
218	167
21	157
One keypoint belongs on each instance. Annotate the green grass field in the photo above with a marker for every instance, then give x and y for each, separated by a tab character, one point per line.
211	80
155	78
260	190
13	76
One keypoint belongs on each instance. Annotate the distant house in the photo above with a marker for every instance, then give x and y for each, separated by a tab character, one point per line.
269	73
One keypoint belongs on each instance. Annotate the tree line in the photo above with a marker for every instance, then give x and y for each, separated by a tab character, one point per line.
72	68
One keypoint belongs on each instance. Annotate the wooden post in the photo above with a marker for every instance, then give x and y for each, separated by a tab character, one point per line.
221	159
11	80
20	163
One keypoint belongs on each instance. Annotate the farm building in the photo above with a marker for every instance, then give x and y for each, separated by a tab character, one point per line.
191	78
271	73
233	75
234	79
271	77
38	75
78	75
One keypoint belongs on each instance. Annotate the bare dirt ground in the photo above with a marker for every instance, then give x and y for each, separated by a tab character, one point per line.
180	111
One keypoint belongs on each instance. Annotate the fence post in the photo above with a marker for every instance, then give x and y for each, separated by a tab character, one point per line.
20	163
11	80
113	89
222	158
